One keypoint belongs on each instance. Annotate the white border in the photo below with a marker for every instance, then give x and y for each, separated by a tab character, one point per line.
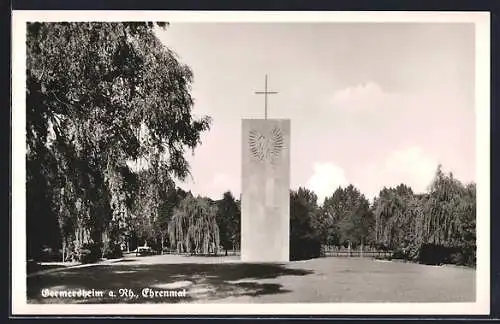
482	90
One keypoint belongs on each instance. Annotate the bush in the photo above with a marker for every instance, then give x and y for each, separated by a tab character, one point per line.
48	254
412	252
399	254
457	258
464	256
53	254
304	248
434	254
113	251
470	256
89	253
431	254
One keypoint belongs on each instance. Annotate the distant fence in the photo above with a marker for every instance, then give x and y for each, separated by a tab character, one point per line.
327	251
220	252
366	252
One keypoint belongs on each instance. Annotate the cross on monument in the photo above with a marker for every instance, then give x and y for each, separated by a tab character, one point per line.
265	93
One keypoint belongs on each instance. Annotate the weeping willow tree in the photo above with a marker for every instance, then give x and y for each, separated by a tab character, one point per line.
443	210
394	221
467	230
445	216
193	227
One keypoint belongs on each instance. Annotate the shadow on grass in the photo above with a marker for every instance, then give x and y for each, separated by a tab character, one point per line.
32	267
202	281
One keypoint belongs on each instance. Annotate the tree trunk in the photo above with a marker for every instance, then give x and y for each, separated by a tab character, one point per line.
63	250
161	244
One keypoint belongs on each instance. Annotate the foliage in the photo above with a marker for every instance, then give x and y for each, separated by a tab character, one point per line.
435	227
112	251
392	212
305	240
89	252
193	227
228	219
99	97
348	217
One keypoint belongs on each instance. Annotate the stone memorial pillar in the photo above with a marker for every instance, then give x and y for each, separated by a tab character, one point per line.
265	199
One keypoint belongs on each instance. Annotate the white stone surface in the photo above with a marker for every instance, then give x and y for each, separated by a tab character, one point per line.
265	200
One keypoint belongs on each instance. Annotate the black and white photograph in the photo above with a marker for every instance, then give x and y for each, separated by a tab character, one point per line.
250	162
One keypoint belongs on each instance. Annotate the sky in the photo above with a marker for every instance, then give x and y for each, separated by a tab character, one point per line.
370	104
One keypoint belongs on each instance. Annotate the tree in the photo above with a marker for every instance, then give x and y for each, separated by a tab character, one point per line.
100	96
305	241
433	227
193	227
332	211
450	216
355	219
467	230
229	220
394	223
443	219
348	217
170	200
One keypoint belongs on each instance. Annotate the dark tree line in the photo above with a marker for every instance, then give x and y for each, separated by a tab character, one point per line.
434	227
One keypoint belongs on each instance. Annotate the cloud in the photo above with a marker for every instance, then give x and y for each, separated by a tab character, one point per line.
326	178
363	97
366	90
411	166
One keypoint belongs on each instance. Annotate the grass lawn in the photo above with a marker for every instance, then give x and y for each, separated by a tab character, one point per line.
226	280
